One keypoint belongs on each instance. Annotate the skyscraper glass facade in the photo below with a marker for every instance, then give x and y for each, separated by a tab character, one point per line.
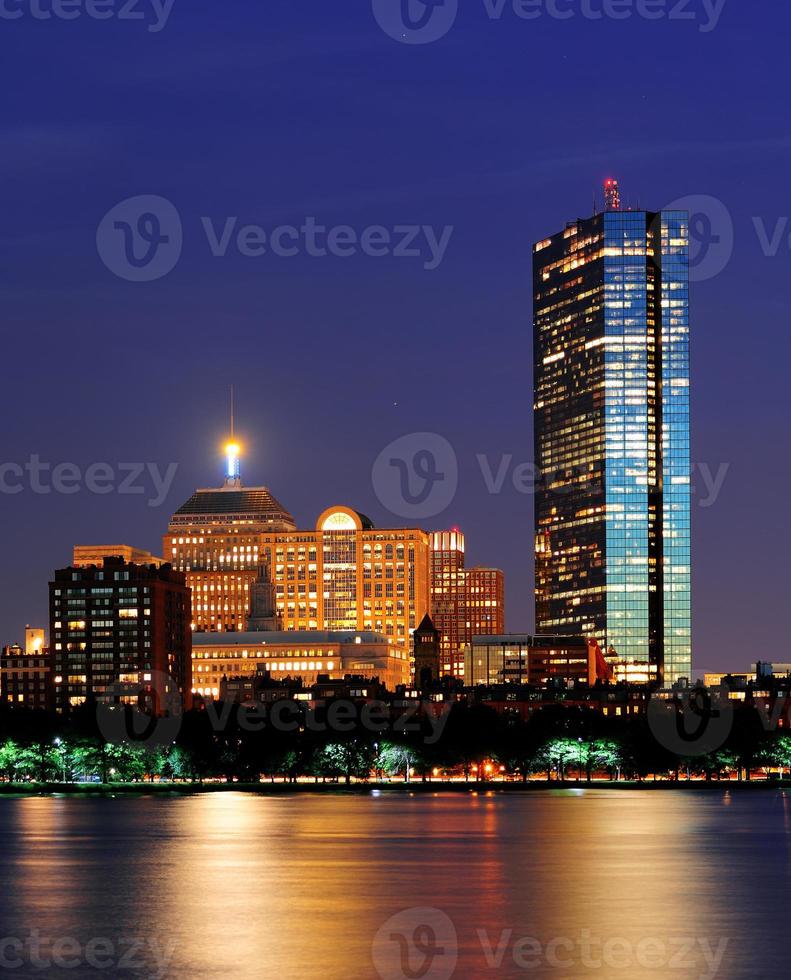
612	436
677	464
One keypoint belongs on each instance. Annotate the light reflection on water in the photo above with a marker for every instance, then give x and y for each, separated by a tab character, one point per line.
298	886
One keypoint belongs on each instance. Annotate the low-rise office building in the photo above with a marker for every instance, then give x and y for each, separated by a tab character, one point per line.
296	654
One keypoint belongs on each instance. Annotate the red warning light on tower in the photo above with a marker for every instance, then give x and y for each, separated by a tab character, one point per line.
612	195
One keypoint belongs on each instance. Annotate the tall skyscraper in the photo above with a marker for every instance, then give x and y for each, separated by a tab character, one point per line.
612	438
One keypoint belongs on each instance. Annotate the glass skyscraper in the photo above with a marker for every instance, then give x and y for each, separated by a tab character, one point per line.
611	348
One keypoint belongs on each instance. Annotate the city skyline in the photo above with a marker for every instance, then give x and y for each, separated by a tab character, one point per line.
180	335
393	479
232	450
148	353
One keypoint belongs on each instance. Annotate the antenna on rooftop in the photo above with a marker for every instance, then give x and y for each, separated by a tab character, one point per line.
233	452
612	195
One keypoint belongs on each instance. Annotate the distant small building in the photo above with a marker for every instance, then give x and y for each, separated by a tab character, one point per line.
727	678
763	670
25	673
428	652
610	700
260	688
86	555
768	669
515	658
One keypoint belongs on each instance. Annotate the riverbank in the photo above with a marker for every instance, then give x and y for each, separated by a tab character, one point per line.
360	788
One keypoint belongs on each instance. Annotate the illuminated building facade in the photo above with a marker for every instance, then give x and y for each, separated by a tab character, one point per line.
611	354
347	574
118	632
35	640
217	538
537	660
296	655
464	601
344	574
485	601
25	673
448	605
86	555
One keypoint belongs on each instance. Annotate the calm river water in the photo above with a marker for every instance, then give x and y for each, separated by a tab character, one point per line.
591	883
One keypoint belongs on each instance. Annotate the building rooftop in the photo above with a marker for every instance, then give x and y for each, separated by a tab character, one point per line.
283	637
94	554
426	625
232	502
531	639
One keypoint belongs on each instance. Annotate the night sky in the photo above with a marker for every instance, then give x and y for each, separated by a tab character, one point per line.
280	111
